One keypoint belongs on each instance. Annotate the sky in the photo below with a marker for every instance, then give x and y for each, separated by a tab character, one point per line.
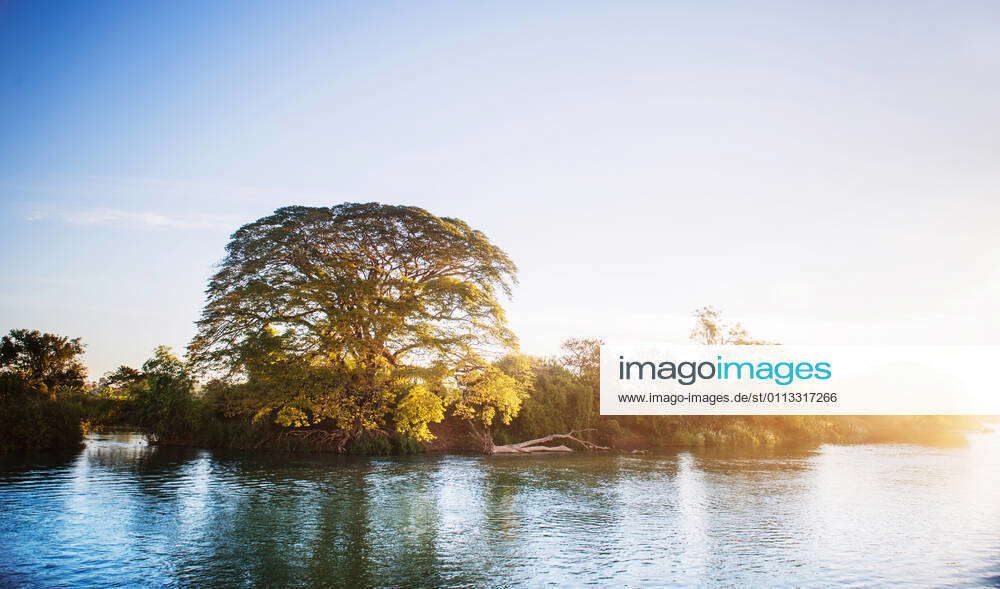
821	172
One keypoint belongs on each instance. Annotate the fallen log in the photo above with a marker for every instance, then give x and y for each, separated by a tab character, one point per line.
533	446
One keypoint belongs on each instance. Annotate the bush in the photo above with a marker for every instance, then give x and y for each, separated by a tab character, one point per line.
32	421
559	402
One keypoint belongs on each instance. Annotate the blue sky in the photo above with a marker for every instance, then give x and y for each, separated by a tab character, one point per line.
823	172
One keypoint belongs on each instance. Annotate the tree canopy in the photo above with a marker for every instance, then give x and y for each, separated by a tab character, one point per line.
42	360
357	313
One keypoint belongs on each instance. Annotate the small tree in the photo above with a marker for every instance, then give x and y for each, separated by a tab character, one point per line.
161	395
709	329
582	356
490	393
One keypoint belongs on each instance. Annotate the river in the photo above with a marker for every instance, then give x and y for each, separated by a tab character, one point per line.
122	513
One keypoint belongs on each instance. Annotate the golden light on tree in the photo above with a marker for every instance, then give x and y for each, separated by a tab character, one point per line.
356	314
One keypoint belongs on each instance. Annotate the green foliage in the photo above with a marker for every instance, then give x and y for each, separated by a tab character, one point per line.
560	402
349	316
295	390
43	361
31	420
160	398
582	357
380	444
490	391
416	411
303	390
43	403
36	422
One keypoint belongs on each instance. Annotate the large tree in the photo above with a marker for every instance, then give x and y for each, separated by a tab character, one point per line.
357	313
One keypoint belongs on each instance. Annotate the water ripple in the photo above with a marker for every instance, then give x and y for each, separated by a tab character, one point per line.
122	513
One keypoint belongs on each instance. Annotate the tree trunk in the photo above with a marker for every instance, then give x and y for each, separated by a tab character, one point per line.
532	446
484	437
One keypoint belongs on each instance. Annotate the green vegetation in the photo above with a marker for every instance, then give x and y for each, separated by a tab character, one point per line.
362	320
43	400
565	394
370	329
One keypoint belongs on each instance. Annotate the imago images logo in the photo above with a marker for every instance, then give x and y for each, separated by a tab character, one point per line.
796	380
689	372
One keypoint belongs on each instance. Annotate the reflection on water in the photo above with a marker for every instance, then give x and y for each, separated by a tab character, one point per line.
123	513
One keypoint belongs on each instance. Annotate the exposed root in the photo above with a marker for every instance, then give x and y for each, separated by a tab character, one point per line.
319	438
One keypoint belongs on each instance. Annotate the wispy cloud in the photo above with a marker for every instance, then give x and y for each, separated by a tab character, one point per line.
132	219
170	205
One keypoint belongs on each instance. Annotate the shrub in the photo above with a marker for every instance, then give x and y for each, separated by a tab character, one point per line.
36	422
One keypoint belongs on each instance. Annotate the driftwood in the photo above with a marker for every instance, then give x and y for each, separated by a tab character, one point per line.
533	446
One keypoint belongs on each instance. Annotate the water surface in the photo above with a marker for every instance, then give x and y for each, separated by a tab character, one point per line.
121	513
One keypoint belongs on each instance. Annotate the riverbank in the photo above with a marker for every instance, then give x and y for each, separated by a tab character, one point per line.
668	432
31	421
